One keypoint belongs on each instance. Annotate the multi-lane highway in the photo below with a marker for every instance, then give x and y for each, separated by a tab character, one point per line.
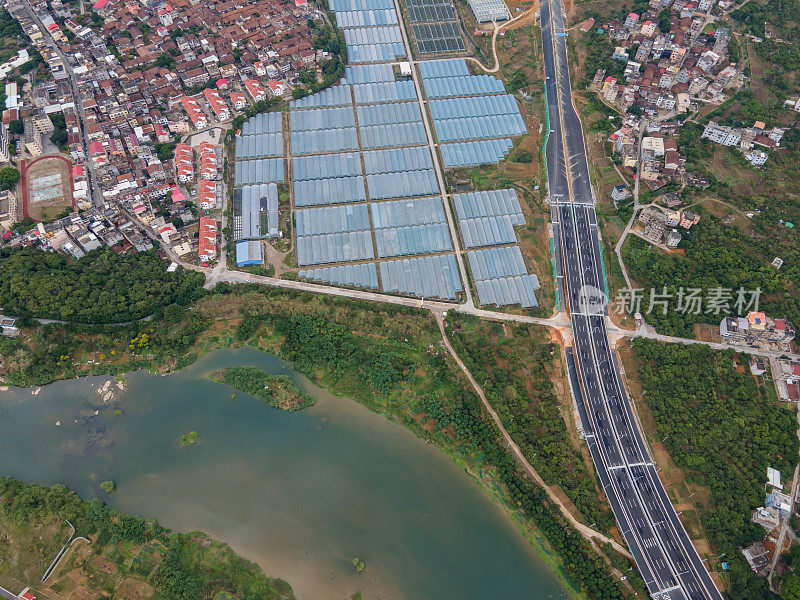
664	554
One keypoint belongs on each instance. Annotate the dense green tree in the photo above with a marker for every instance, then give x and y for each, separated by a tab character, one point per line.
9	176
17	126
723	432
790	587
102	287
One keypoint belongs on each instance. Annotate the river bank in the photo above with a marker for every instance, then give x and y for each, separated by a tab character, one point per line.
301	493
387	358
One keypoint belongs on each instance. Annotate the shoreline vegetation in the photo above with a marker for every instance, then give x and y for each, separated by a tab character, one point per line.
189	439
388	358
276	390
126	556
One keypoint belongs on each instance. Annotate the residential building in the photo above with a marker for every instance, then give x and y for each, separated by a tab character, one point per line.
756	329
207	242
8	208
722	134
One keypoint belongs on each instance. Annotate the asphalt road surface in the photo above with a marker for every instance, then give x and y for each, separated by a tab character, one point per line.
664	554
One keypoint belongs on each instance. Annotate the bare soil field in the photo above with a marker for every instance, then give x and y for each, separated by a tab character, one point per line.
47	187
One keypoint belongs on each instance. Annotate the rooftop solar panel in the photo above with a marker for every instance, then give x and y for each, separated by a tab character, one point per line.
438	38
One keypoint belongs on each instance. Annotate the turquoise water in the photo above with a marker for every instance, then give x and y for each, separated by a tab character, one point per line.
299	493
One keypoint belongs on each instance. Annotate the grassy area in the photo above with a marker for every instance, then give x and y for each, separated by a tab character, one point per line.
523	376
126	556
276	390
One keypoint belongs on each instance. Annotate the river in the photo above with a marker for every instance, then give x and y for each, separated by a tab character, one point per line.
299	493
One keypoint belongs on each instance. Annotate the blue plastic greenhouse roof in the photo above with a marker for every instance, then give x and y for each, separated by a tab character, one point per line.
332	219
349	5
319	192
471	128
382	114
366	18
489	10
256	200
364	275
492	263
401	213
375	53
337	95
386	91
400	185
509	290
344	164
355	74
326	140
259	145
473	153
467	85
394	160
365	36
248	253
414	239
473	106
452	67
271	122
413	226
395	134
427	276
334	247
321	118
487	231
492	203
264	170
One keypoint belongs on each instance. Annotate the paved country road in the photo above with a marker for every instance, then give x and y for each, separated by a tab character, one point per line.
6	594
